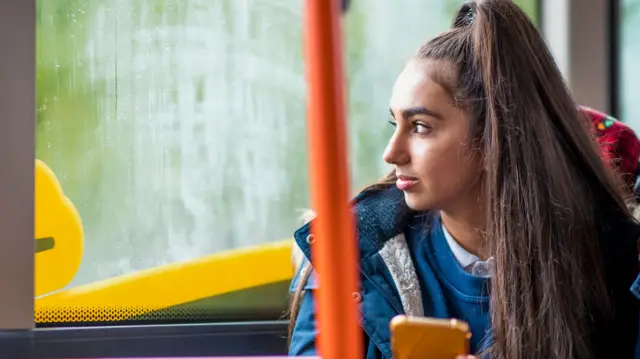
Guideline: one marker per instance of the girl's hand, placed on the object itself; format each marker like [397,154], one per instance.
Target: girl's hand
[466,357]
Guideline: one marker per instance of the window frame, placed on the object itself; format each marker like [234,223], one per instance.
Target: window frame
[17,161]
[615,49]
[187,340]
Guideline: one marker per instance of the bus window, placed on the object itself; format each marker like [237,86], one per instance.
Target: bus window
[174,130]
[629,51]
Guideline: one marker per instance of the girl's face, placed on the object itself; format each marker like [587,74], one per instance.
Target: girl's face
[431,148]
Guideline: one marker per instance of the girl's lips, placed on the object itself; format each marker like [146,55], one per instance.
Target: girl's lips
[405,183]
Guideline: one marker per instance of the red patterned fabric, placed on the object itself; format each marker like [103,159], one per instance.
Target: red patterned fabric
[619,143]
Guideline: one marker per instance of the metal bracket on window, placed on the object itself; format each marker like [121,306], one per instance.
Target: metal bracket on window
[345,6]
[45,244]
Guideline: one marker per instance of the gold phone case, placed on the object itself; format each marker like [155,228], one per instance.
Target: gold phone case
[428,338]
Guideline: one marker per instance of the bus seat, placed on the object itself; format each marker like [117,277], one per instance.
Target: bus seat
[619,143]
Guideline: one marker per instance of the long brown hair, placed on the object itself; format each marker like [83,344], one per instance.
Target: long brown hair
[547,189]
[546,186]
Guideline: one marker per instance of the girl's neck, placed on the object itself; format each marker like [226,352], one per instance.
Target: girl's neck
[467,228]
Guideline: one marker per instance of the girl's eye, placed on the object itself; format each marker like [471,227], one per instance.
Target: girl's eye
[421,128]
[393,123]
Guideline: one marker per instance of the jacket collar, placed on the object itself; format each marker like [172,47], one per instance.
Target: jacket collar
[380,216]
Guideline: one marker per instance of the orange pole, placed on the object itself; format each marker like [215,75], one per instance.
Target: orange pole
[334,249]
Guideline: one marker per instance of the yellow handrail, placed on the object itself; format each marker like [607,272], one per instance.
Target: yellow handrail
[170,285]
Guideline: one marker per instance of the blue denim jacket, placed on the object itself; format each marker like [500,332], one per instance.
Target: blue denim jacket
[390,285]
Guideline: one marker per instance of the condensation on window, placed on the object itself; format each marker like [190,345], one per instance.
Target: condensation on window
[177,127]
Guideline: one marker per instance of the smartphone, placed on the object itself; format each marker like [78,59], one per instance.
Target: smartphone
[432,338]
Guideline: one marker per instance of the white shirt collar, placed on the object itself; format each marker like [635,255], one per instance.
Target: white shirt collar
[471,263]
[462,255]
